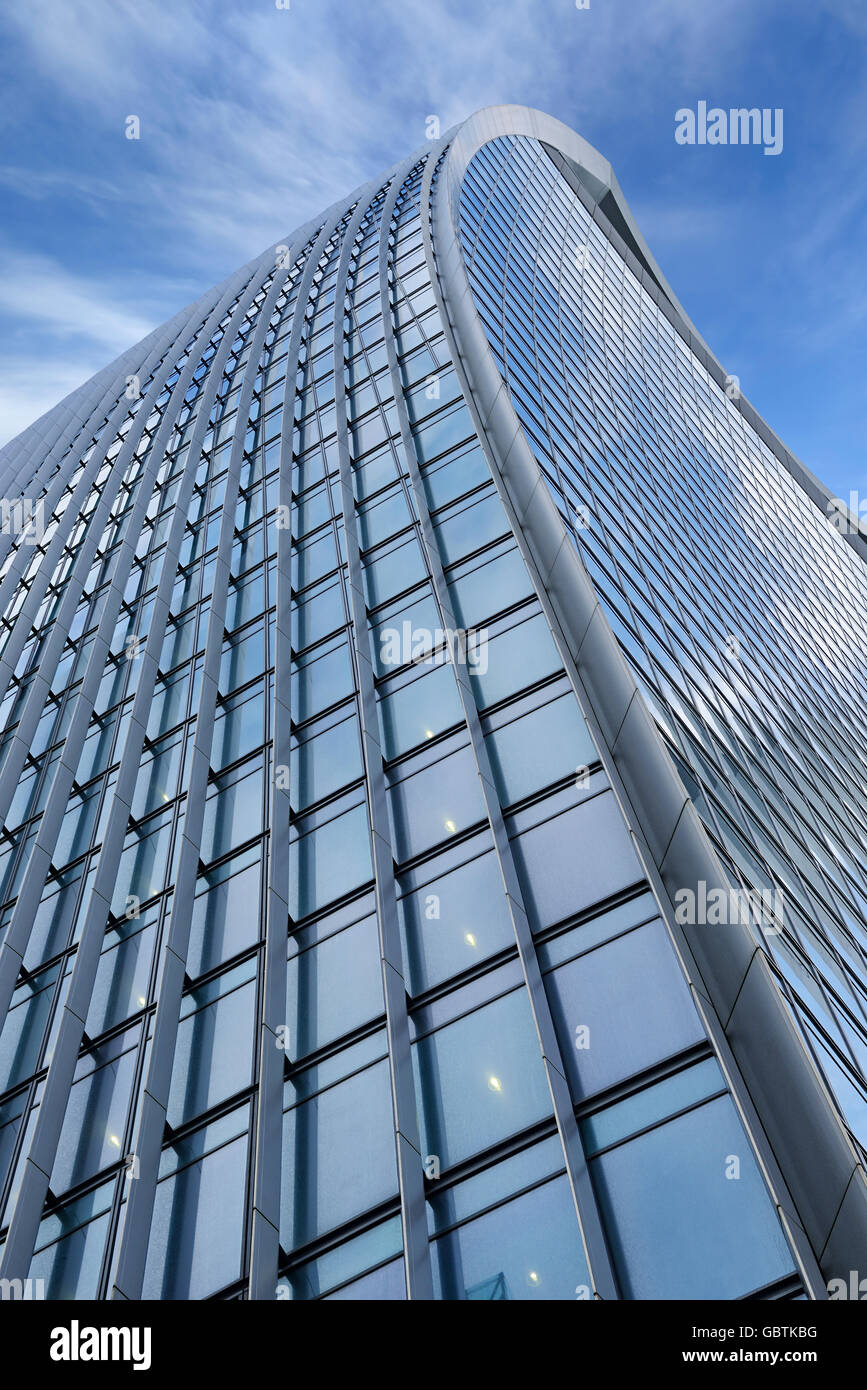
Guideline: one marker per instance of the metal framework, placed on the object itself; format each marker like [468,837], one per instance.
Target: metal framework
[103,465]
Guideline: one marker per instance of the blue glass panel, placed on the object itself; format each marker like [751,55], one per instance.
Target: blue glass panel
[480,1079]
[529,1249]
[621,1008]
[338,1156]
[192,1255]
[540,748]
[678,1226]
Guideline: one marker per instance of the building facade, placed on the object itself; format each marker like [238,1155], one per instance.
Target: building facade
[433,861]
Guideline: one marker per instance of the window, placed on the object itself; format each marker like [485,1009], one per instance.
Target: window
[575,860]
[233,811]
[419,709]
[191,1255]
[338,1156]
[333,987]
[480,1080]
[678,1225]
[214,1050]
[225,917]
[527,1249]
[542,747]
[435,803]
[452,922]
[328,861]
[621,1008]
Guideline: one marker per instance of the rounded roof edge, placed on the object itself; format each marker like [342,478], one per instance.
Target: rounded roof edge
[582,165]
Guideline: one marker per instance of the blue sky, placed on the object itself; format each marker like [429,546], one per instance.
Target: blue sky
[254,118]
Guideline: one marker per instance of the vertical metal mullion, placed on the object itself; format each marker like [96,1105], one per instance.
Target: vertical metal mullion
[23,555]
[416,1248]
[24,1225]
[589,1221]
[136,1222]
[17,935]
[267,1159]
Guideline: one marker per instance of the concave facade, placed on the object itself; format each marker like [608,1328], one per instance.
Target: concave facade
[399,652]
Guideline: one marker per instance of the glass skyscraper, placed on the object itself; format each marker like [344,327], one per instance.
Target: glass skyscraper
[432,781]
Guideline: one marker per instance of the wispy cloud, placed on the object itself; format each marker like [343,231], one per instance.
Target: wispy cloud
[290,108]
[37,291]
[30,385]
[60,328]
[253,119]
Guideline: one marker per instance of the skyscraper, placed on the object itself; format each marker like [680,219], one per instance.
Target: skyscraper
[434,812]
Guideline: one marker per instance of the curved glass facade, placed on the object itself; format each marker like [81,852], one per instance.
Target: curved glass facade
[739,607]
[320,907]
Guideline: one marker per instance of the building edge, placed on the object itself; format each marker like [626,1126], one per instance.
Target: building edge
[809,1161]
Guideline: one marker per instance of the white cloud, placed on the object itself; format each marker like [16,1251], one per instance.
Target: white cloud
[254,118]
[61,328]
[29,386]
[37,290]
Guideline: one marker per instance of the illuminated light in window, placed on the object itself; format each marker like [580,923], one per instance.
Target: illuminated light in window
[113,1139]
[470,939]
[533,1277]
[451,827]
[494,1084]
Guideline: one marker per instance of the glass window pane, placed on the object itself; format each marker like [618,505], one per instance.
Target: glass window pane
[338,1156]
[490,588]
[122,977]
[225,916]
[319,680]
[480,1079]
[529,1248]
[453,922]
[347,1260]
[678,1226]
[233,812]
[470,529]
[333,988]
[71,1265]
[95,1119]
[437,802]
[621,1008]
[324,764]
[214,1051]
[540,748]
[191,1254]
[460,475]
[516,659]
[328,862]
[575,860]
[417,711]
